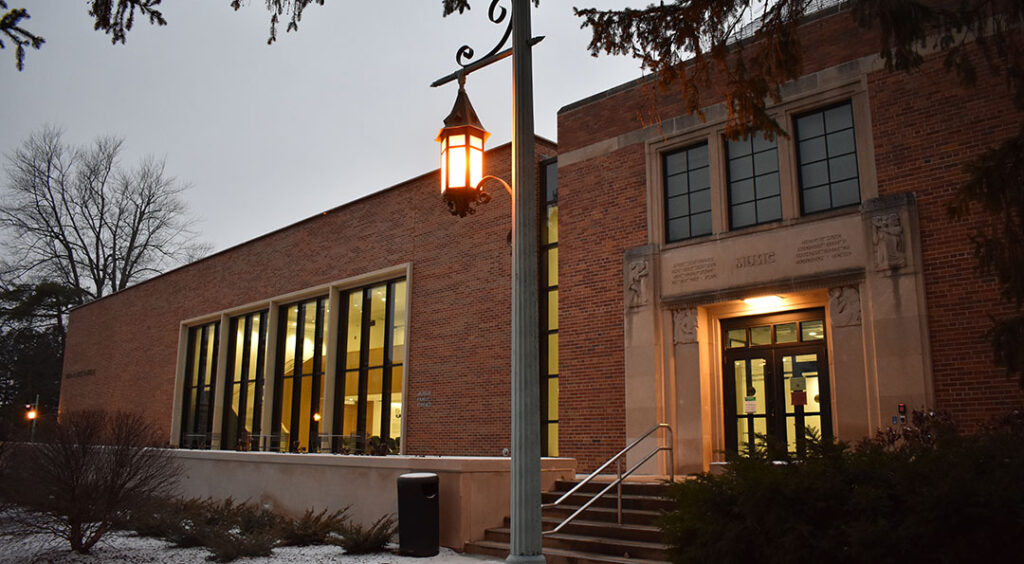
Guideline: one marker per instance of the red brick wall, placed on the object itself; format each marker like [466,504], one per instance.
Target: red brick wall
[459,309]
[925,129]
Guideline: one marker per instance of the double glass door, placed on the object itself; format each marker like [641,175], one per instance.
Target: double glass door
[775,380]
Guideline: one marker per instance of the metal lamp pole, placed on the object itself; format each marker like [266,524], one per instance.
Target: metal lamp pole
[526,539]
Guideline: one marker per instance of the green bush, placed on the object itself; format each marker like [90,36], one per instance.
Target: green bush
[313,528]
[922,493]
[358,540]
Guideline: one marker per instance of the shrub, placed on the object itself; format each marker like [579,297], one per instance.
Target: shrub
[313,528]
[96,468]
[357,540]
[916,494]
[240,530]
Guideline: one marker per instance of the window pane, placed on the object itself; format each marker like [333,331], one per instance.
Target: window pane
[845,193]
[552,310]
[678,229]
[289,341]
[678,206]
[761,335]
[553,266]
[396,403]
[700,201]
[550,234]
[814,174]
[378,311]
[398,332]
[786,333]
[744,215]
[812,150]
[812,331]
[675,163]
[552,399]
[761,142]
[552,354]
[769,209]
[741,191]
[354,329]
[738,148]
[841,142]
[839,117]
[700,179]
[676,185]
[741,168]
[810,125]
[736,338]
[700,224]
[552,439]
[767,185]
[765,162]
[842,168]
[816,199]
[698,156]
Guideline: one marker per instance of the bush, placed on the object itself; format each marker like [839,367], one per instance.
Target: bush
[96,469]
[923,493]
[357,540]
[313,528]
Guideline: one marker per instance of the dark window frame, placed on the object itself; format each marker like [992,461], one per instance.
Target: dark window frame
[316,375]
[195,432]
[828,158]
[667,199]
[754,180]
[227,438]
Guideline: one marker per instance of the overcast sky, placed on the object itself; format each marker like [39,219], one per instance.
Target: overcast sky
[269,135]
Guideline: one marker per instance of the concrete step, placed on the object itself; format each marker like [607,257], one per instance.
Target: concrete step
[557,555]
[620,548]
[606,514]
[629,501]
[604,529]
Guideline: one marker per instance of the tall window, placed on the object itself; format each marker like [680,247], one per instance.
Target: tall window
[302,354]
[549,314]
[371,352]
[828,159]
[244,394]
[687,193]
[197,396]
[753,181]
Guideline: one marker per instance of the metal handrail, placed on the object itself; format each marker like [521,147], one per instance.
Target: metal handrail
[620,476]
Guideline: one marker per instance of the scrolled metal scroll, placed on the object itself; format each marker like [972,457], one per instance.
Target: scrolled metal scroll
[496,13]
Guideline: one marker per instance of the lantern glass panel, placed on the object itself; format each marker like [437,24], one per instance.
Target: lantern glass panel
[457,166]
[476,142]
[444,168]
[457,140]
[476,165]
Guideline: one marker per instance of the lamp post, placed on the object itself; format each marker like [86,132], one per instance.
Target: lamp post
[525,545]
[32,413]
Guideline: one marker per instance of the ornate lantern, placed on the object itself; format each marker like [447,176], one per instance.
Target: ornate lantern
[462,156]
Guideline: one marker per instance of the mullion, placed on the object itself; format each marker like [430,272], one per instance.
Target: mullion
[300,325]
[318,336]
[341,372]
[385,388]
[364,362]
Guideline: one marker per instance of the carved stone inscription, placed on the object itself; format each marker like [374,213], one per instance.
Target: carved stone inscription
[821,249]
[760,259]
[697,270]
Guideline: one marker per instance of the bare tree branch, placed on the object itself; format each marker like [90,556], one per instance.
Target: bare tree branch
[78,217]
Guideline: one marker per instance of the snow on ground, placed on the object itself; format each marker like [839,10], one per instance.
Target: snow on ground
[126,548]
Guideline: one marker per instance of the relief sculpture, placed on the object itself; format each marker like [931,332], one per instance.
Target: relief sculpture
[844,306]
[887,238]
[637,287]
[684,325]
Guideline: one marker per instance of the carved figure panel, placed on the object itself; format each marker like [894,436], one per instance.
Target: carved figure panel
[636,289]
[844,306]
[684,325]
[887,238]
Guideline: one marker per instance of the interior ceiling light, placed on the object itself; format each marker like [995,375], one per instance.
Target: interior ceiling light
[765,301]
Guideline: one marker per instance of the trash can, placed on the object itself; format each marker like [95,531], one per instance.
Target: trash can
[418,521]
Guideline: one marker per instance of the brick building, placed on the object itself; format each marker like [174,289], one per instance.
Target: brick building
[728,288]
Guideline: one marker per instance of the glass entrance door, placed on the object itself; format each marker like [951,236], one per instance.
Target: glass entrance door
[775,380]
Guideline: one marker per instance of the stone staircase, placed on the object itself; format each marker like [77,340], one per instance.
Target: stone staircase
[595,536]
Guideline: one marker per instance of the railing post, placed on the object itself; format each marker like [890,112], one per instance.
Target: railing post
[618,490]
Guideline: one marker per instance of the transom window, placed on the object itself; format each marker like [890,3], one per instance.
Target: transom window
[687,193]
[754,195]
[827,152]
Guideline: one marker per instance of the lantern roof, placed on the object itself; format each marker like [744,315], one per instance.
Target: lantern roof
[463,114]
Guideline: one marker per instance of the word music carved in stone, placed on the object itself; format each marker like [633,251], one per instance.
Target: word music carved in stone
[637,286]
[887,238]
[844,306]
[684,325]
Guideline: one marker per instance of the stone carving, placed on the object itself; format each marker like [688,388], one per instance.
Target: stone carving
[844,306]
[887,238]
[637,287]
[684,325]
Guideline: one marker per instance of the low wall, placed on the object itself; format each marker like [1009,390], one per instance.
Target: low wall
[474,491]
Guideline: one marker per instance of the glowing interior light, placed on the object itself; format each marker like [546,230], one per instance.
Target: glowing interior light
[765,301]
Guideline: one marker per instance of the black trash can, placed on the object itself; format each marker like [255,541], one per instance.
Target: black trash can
[418,520]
